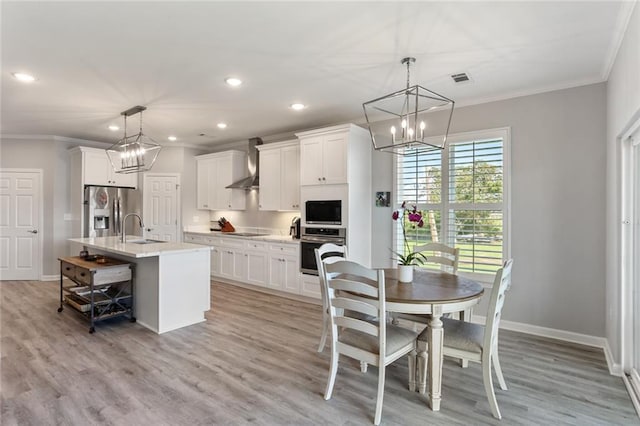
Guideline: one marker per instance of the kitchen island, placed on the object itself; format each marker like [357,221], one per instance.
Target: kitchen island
[172,284]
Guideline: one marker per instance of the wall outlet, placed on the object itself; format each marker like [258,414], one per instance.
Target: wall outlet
[196,219]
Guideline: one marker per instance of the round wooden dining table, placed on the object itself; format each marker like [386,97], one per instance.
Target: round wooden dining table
[433,293]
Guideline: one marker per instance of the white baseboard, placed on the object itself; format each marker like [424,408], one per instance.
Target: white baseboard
[50,277]
[567,336]
[614,369]
[633,393]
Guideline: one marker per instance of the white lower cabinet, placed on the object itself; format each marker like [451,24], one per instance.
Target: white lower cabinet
[310,286]
[284,268]
[256,262]
[215,261]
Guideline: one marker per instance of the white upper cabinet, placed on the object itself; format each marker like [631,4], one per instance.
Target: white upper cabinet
[280,176]
[323,158]
[214,173]
[290,193]
[269,180]
[203,168]
[97,170]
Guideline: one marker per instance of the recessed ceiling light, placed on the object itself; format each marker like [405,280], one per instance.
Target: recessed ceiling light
[172,138]
[222,125]
[297,106]
[233,81]
[27,78]
[114,128]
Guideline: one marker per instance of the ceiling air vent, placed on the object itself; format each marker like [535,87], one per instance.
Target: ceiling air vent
[460,78]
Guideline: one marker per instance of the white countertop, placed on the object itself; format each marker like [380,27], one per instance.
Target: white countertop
[131,249]
[270,237]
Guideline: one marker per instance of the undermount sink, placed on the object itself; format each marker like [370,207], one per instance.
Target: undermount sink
[145,241]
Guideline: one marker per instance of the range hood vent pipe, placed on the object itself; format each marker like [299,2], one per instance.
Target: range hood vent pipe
[253,165]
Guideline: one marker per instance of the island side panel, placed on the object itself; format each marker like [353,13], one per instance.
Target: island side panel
[184,289]
[146,292]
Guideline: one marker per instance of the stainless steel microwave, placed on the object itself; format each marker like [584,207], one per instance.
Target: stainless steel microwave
[323,212]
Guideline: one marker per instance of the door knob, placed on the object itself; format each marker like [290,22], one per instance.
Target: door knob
[148,229]
[35,231]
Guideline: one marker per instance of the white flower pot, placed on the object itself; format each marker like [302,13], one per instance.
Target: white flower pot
[405,273]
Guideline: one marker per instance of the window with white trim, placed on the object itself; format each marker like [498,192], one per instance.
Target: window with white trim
[462,193]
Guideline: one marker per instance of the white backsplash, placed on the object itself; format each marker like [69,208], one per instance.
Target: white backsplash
[253,220]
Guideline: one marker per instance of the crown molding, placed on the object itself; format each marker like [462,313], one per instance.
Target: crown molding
[622,23]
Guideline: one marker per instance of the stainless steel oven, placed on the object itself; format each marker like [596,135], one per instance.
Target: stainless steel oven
[311,239]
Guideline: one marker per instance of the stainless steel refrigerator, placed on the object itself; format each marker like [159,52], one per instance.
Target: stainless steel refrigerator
[106,206]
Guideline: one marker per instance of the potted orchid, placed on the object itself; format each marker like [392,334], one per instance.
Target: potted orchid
[407,261]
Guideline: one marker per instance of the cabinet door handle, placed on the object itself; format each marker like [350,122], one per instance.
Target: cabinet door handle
[34,231]
[319,178]
[324,178]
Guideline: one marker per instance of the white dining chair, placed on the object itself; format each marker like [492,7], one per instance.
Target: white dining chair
[376,343]
[327,253]
[447,258]
[441,254]
[474,342]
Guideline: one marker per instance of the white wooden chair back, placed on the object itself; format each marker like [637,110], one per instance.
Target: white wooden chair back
[327,253]
[501,284]
[441,254]
[352,277]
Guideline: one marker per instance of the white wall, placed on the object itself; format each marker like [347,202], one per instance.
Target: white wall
[623,108]
[557,204]
[50,155]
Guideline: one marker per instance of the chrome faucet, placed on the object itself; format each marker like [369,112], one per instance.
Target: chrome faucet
[124,220]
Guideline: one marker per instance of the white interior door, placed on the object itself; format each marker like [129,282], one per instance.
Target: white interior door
[20,224]
[161,201]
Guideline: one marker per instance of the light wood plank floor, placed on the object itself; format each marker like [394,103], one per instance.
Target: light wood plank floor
[254,361]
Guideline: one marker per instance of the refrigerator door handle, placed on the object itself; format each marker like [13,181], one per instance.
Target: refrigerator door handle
[116,215]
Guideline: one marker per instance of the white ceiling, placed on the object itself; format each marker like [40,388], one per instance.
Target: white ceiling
[96,59]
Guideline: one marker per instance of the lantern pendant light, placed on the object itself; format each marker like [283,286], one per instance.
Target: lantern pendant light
[407,113]
[136,153]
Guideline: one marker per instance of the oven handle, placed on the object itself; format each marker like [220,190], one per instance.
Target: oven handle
[337,240]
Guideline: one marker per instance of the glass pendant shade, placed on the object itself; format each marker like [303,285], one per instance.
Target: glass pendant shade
[135,153]
[406,115]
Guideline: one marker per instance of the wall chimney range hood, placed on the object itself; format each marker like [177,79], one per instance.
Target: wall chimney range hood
[253,165]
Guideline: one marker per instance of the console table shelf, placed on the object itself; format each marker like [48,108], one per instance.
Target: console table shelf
[101,288]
